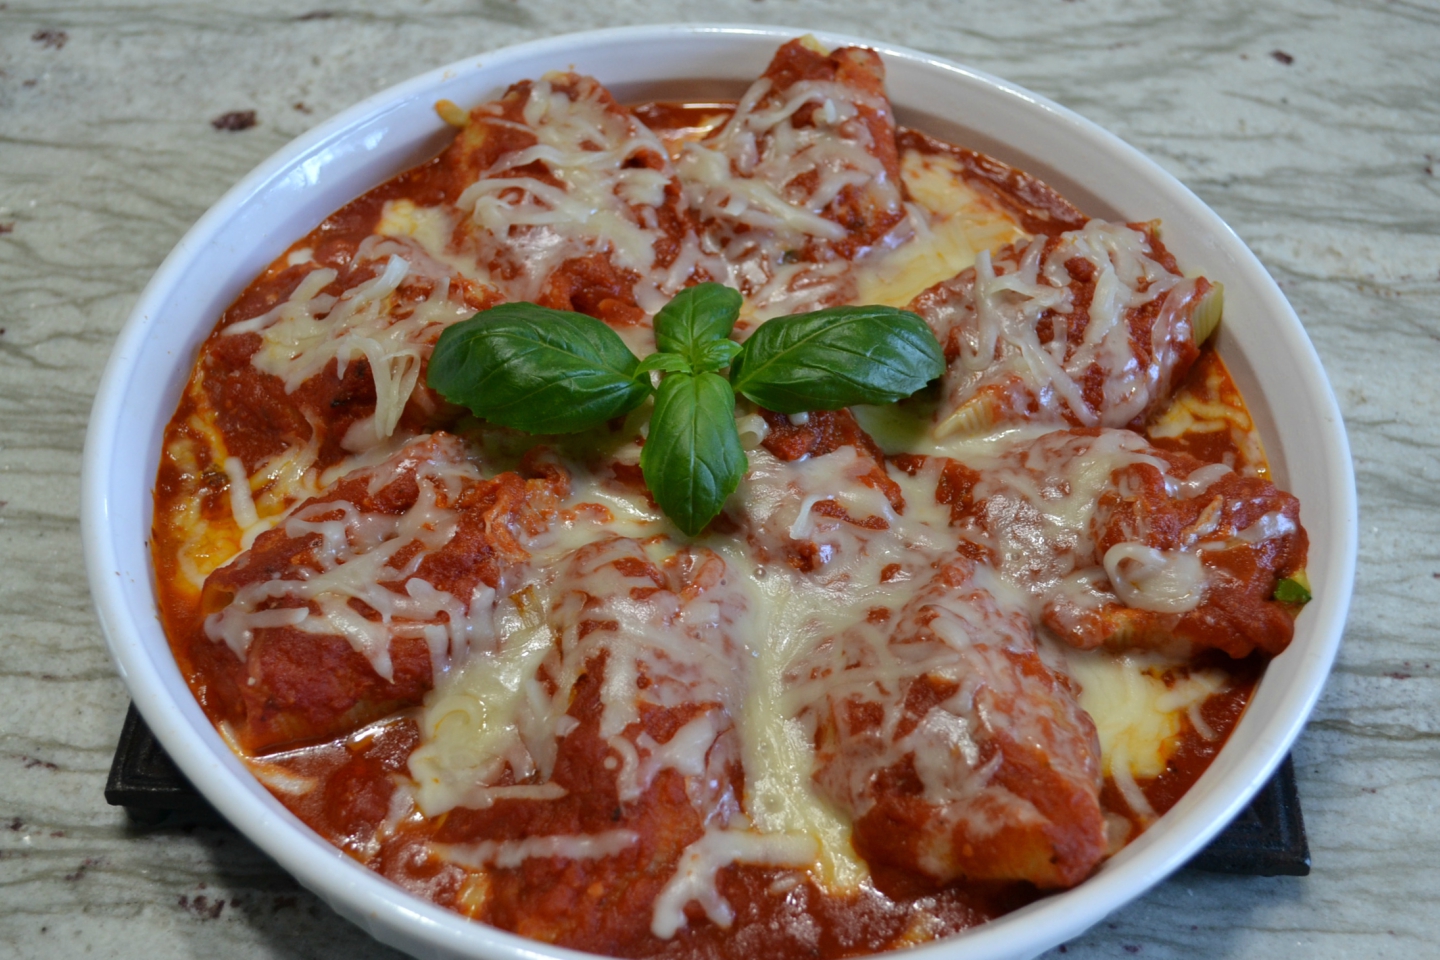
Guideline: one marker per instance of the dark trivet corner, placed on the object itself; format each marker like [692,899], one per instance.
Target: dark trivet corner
[145,781]
[1267,839]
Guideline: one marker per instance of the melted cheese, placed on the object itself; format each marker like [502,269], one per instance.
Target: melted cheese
[1046,492]
[242,505]
[202,546]
[799,614]
[354,560]
[997,325]
[508,854]
[694,877]
[604,202]
[303,335]
[758,648]
[749,173]
[950,225]
[479,720]
[256,502]
[1137,714]
[1200,410]
[595,201]
[431,229]
[1165,581]
[480,727]
[762,187]
[491,728]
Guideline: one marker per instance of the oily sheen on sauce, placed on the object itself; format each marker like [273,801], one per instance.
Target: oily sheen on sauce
[483,665]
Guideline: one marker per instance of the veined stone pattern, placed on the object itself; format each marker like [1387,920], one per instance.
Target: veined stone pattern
[1313,128]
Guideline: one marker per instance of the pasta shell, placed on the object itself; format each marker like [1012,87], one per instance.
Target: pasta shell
[1207,313]
[971,417]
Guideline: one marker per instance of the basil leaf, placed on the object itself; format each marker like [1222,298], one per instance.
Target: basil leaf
[716,355]
[692,459]
[665,362]
[696,316]
[1291,591]
[536,369]
[837,357]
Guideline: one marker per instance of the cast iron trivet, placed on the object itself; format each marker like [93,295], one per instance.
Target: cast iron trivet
[1267,839]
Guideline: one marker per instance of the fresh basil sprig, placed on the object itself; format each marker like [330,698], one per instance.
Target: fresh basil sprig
[550,371]
[692,459]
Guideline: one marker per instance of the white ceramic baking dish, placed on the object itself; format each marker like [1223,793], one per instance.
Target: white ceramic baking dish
[1261,340]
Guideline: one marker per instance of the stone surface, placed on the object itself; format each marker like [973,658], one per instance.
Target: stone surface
[1313,128]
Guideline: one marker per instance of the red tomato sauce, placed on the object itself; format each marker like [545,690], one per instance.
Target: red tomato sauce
[343,787]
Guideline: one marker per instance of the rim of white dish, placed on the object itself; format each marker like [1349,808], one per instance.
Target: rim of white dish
[411,923]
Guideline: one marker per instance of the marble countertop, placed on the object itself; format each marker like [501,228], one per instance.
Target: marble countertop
[1313,128]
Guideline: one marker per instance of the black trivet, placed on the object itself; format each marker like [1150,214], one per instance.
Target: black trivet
[1267,839]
